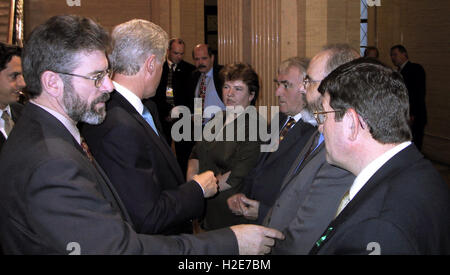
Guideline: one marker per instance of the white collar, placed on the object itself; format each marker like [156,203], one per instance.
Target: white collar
[368,171]
[305,116]
[70,125]
[403,66]
[130,97]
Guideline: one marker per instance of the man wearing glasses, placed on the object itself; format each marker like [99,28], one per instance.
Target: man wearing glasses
[398,203]
[55,198]
[312,189]
[297,124]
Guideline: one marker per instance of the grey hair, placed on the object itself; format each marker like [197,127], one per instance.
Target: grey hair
[339,54]
[133,42]
[294,62]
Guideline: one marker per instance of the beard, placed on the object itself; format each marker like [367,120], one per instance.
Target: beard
[79,110]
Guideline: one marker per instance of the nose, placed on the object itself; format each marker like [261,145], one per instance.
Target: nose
[107,85]
[279,90]
[20,82]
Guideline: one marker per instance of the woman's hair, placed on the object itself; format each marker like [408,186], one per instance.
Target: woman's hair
[244,72]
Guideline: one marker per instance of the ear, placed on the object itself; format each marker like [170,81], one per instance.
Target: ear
[252,96]
[150,64]
[52,83]
[352,124]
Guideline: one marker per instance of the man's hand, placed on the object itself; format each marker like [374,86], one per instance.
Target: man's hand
[255,239]
[207,182]
[249,208]
[233,204]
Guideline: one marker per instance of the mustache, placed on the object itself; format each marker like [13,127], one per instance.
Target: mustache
[201,66]
[103,98]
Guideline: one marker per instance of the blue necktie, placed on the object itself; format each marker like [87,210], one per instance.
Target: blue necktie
[148,117]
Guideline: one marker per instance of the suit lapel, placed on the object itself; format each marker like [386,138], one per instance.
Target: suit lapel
[160,143]
[400,161]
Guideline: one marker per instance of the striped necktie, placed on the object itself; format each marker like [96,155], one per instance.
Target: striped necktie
[287,127]
[9,123]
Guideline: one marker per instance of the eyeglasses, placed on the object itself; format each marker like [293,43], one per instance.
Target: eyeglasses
[321,116]
[307,81]
[286,84]
[98,78]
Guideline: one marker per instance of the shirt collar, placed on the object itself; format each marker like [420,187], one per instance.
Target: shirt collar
[133,99]
[373,167]
[305,116]
[403,65]
[70,125]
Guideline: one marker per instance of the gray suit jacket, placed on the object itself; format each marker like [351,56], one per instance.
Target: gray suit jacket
[52,196]
[308,201]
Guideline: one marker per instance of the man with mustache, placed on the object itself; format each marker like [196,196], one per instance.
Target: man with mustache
[11,84]
[206,83]
[55,198]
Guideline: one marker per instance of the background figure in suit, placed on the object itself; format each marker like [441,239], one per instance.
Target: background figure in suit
[297,124]
[415,80]
[54,194]
[371,52]
[172,91]
[231,160]
[11,85]
[312,188]
[210,89]
[136,158]
[398,203]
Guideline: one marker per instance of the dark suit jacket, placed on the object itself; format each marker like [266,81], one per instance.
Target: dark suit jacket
[239,157]
[415,80]
[404,208]
[52,196]
[180,78]
[195,77]
[307,201]
[16,111]
[264,182]
[182,96]
[143,170]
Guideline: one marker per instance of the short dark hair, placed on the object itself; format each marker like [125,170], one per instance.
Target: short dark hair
[244,72]
[401,49]
[371,48]
[6,54]
[178,40]
[53,46]
[376,92]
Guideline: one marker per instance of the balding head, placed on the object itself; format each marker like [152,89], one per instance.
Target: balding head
[322,64]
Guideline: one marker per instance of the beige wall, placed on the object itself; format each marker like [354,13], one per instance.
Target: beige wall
[272,30]
[179,18]
[423,27]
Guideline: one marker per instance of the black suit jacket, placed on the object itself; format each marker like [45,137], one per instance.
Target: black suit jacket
[415,80]
[144,170]
[53,196]
[264,182]
[404,208]
[180,81]
[16,111]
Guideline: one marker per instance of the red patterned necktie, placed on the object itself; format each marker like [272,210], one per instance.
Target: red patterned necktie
[202,90]
[86,150]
